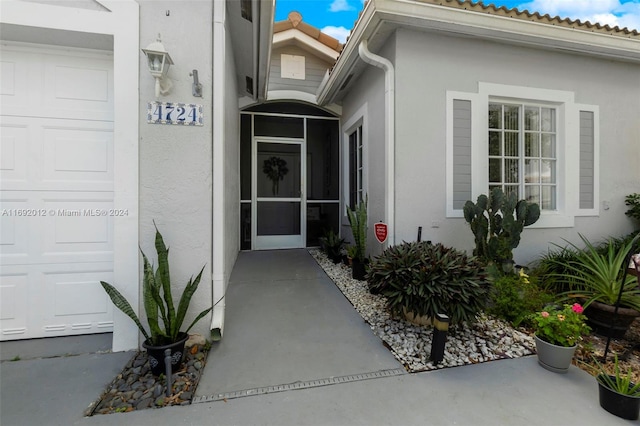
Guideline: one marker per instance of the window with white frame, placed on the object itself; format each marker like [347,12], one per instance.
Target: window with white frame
[538,143]
[522,151]
[356,168]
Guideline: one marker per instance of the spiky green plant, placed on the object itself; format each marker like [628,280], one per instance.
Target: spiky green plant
[358,222]
[595,274]
[158,300]
[618,382]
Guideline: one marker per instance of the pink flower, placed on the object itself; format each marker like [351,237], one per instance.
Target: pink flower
[544,314]
[577,308]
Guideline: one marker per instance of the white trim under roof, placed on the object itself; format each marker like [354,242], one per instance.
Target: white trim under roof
[306,42]
[382,16]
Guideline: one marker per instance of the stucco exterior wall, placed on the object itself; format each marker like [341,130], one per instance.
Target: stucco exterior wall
[176,161]
[428,65]
[367,96]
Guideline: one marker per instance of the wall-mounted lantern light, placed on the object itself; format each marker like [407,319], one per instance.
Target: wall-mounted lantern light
[158,61]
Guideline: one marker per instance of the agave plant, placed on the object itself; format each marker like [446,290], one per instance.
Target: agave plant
[158,301]
[595,274]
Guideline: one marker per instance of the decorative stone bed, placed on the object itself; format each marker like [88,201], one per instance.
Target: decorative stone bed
[486,340]
[135,388]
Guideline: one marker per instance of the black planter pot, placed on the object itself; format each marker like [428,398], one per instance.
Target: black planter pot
[623,406]
[156,354]
[599,316]
[358,269]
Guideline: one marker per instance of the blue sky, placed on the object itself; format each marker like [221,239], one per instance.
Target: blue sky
[336,17]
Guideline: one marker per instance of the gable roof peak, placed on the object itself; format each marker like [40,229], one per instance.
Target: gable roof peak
[294,17]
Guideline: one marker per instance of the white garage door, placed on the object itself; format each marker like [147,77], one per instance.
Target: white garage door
[56,191]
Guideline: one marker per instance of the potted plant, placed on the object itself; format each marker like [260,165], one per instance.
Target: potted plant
[594,276]
[618,394]
[557,332]
[332,244]
[159,307]
[351,253]
[358,223]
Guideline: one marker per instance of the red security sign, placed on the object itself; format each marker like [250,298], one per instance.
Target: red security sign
[381,230]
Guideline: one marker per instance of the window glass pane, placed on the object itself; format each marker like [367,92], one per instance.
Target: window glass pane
[548,172]
[508,189]
[322,160]
[532,194]
[494,143]
[511,171]
[320,218]
[289,127]
[531,171]
[511,143]
[548,145]
[245,157]
[548,198]
[548,119]
[532,118]
[278,218]
[495,116]
[531,145]
[511,117]
[245,226]
[495,170]
[278,173]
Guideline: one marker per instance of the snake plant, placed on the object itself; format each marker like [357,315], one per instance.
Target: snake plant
[158,300]
[358,222]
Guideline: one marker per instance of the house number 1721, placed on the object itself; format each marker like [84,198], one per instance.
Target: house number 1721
[174,113]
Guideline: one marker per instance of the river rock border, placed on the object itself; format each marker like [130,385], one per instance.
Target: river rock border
[486,340]
[135,388]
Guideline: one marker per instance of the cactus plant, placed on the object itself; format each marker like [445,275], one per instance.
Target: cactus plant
[497,230]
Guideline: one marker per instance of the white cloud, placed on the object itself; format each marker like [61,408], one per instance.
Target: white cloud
[611,12]
[339,33]
[340,6]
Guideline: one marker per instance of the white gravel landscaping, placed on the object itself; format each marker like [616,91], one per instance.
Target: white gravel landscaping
[486,340]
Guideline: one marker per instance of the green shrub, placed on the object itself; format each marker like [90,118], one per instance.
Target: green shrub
[633,201]
[554,263]
[557,264]
[428,279]
[515,297]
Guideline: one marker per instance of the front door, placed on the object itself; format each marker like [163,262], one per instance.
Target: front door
[278,208]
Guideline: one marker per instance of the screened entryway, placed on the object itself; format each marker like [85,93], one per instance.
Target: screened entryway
[289,176]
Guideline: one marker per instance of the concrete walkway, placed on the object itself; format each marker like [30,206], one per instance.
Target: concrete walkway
[294,353]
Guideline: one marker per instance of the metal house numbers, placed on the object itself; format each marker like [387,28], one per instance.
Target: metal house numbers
[174,113]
